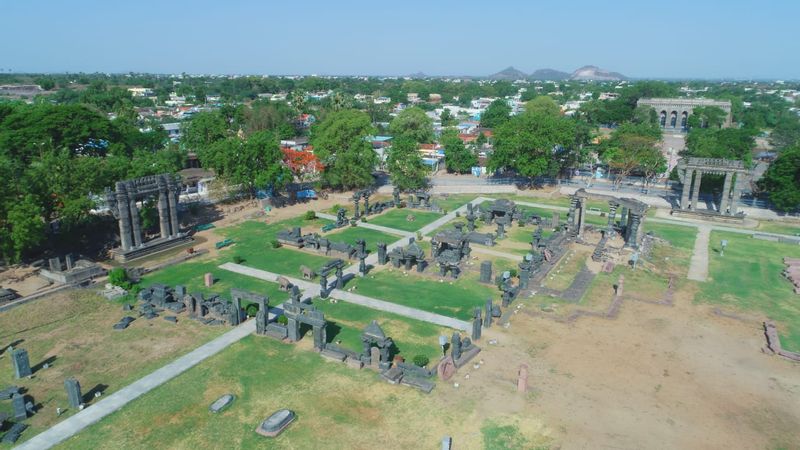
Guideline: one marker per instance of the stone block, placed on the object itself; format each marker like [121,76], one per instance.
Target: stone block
[332,355]
[354,363]
[21,363]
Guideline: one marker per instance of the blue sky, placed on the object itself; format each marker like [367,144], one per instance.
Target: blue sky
[665,39]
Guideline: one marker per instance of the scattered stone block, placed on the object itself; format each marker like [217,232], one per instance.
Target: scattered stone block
[13,434]
[276,423]
[354,363]
[8,392]
[172,319]
[332,355]
[422,384]
[21,363]
[221,403]
[73,388]
[18,404]
[392,375]
[208,280]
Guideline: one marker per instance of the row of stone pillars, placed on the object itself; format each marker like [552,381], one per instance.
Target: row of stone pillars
[692,181]
[125,207]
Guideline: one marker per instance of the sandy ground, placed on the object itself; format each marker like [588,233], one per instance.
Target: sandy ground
[655,377]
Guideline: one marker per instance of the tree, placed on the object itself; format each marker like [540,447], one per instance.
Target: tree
[726,143]
[269,116]
[298,100]
[24,228]
[457,157]
[631,153]
[447,118]
[786,132]
[707,117]
[782,180]
[496,114]
[534,144]
[205,129]
[251,164]
[543,104]
[413,123]
[340,142]
[405,165]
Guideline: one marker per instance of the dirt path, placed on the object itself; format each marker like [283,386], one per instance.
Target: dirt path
[698,268]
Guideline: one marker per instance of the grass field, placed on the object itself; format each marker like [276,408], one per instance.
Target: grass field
[337,408]
[779,227]
[72,331]
[749,277]
[396,218]
[411,337]
[454,299]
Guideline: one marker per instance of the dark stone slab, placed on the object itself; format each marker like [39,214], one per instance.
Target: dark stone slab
[332,355]
[393,375]
[172,319]
[8,392]
[422,384]
[14,433]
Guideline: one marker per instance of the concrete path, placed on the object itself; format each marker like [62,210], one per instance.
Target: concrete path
[429,228]
[370,226]
[698,268]
[313,289]
[93,413]
[488,251]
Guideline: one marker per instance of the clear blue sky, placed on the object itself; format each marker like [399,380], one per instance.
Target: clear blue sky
[641,38]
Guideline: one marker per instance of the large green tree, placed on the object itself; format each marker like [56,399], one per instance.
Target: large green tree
[457,157]
[707,117]
[497,113]
[405,165]
[412,123]
[634,152]
[205,129]
[543,104]
[782,180]
[534,144]
[251,164]
[340,142]
[726,143]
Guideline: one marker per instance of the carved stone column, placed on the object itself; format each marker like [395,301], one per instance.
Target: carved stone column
[124,217]
[696,189]
[135,222]
[726,192]
[686,188]
[172,196]
[163,214]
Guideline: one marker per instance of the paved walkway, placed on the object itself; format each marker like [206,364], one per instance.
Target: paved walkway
[313,289]
[370,226]
[93,413]
[698,268]
[488,251]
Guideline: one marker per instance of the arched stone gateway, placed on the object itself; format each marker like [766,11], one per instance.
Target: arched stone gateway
[674,112]
[691,172]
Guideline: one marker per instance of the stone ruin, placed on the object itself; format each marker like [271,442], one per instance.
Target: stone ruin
[422,200]
[123,203]
[72,271]
[630,225]
[503,209]
[449,248]
[691,171]
[313,241]
[508,289]
[408,256]
[792,272]
[215,310]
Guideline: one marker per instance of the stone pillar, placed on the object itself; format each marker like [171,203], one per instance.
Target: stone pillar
[737,192]
[136,223]
[124,217]
[726,191]
[612,214]
[366,205]
[319,337]
[487,318]
[355,203]
[21,363]
[172,197]
[581,216]
[293,326]
[696,189]
[163,214]
[686,188]
[73,388]
[476,324]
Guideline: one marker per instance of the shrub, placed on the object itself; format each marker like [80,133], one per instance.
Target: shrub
[335,208]
[119,277]
[513,272]
[420,360]
[274,243]
[282,320]
[310,215]
[238,259]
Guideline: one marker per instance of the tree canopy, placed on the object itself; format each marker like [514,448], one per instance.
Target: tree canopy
[457,157]
[782,180]
[412,123]
[340,142]
[543,104]
[534,144]
[405,165]
[497,113]
[726,143]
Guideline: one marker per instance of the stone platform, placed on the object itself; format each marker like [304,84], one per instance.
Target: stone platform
[150,248]
[708,215]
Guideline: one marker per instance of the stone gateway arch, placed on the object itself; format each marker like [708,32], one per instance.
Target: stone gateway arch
[673,113]
[123,202]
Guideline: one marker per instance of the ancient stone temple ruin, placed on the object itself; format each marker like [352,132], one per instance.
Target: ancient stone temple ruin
[408,255]
[448,249]
[724,204]
[123,204]
[503,210]
[632,215]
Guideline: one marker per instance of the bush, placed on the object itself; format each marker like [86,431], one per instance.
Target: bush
[282,320]
[238,259]
[513,272]
[274,243]
[335,208]
[119,277]
[310,215]
[421,360]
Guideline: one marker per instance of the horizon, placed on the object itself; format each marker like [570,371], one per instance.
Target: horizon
[688,42]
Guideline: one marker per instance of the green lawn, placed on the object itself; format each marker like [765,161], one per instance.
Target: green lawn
[458,299]
[679,236]
[779,227]
[396,218]
[346,321]
[344,408]
[372,237]
[748,276]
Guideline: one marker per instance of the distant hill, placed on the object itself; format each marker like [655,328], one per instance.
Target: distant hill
[418,75]
[509,74]
[586,73]
[548,74]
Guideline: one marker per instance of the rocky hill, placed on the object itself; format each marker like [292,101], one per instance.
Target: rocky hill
[548,74]
[587,73]
[509,74]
